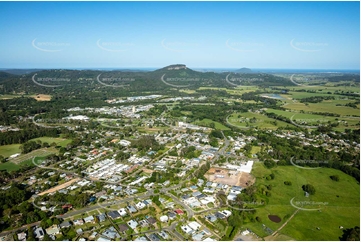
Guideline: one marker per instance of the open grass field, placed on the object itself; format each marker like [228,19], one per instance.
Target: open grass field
[59,141]
[206,122]
[10,166]
[315,119]
[8,150]
[335,203]
[262,121]
[328,106]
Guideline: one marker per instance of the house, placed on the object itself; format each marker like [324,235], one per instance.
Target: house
[154,237]
[142,238]
[53,230]
[219,215]
[171,215]
[114,214]
[89,219]
[198,237]
[22,236]
[151,220]
[132,209]
[101,217]
[187,229]
[65,224]
[143,223]
[78,222]
[194,225]
[111,233]
[93,235]
[226,213]
[79,231]
[122,212]
[211,218]
[39,232]
[132,224]
[164,235]
[140,205]
[179,211]
[123,228]
[163,218]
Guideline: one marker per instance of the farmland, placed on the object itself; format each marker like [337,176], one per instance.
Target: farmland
[334,203]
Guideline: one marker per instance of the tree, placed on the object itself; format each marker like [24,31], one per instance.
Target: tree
[352,234]
[335,177]
[309,189]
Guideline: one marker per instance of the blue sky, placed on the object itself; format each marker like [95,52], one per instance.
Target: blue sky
[294,35]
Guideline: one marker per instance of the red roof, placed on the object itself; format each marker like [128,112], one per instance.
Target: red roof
[178,211]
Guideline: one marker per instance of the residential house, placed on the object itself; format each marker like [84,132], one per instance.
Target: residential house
[113,214]
[78,222]
[194,225]
[53,230]
[22,236]
[89,219]
[65,224]
[154,237]
[122,212]
[163,218]
[132,224]
[39,233]
[132,209]
[123,228]
[151,220]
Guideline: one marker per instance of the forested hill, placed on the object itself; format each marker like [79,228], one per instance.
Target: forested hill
[164,79]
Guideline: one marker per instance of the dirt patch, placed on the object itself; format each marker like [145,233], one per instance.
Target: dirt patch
[147,170]
[246,180]
[42,97]
[229,177]
[274,218]
[62,186]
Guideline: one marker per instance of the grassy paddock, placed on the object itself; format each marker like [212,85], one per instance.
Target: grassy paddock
[338,202]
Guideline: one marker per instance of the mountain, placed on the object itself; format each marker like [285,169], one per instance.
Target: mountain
[243,70]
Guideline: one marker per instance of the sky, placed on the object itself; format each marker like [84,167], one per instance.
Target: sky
[282,35]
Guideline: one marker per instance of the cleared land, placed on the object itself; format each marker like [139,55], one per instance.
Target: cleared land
[59,187]
[244,120]
[8,150]
[338,202]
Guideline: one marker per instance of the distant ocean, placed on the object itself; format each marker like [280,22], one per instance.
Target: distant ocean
[218,70]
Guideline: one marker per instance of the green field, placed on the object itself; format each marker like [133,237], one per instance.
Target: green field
[315,119]
[205,122]
[8,150]
[261,121]
[335,203]
[325,106]
[59,141]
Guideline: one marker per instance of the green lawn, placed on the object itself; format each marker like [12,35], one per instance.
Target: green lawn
[339,202]
[59,141]
[262,121]
[8,150]
[206,122]
[328,106]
